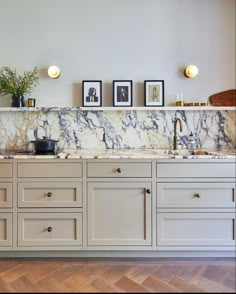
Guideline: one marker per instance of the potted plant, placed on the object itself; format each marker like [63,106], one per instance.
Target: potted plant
[16,85]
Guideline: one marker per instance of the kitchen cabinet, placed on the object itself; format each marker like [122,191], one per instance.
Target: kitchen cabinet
[49,194]
[119,213]
[5,229]
[5,195]
[49,170]
[196,229]
[163,206]
[6,204]
[195,206]
[49,229]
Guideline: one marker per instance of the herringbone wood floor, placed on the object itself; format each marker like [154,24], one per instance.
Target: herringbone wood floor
[142,275]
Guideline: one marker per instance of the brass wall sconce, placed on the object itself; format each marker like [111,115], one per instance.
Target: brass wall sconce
[191,71]
[54,72]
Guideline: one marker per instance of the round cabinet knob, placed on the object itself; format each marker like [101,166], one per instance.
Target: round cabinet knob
[49,194]
[148,191]
[118,170]
[196,195]
[49,229]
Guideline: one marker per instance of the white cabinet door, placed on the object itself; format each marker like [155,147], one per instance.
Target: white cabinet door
[195,195]
[119,213]
[49,194]
[5,195]
[5,229]
[49,229]
[195,229]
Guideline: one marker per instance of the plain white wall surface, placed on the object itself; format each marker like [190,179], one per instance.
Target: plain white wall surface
[126,39]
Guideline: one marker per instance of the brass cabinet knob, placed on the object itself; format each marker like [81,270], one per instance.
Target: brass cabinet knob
[49,194]
[49,229]
[196,195]
[118,170]
[148,191]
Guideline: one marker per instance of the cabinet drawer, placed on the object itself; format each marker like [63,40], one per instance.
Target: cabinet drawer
[5,195]
[199,170]
[49,229]
[119,170]
[179,195]
[6,170]
[50,170]
[5,229]
[57,194]
[195,229]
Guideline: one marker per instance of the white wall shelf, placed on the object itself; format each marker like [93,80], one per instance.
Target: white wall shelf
[140,108]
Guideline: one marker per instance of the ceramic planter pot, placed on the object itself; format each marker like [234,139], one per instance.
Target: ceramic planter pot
[17,101]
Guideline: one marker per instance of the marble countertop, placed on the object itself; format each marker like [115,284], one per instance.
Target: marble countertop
[122,154]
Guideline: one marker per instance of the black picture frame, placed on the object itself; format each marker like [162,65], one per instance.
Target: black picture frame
[91,93]
[122,93]
[154,93]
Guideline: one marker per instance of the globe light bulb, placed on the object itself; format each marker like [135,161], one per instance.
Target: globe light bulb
[54,72]
[191,71]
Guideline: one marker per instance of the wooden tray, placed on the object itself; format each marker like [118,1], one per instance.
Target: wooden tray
[226,98]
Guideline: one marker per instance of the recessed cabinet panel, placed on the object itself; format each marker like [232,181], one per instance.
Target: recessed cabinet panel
[5,195]
[6,170]
[119,214]
[194,195]
[199,170]
[119,170]
[50,170]
[49,229]
[48,194]
[195,229]
[5,229]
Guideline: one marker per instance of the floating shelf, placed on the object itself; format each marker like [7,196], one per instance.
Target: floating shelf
[140,108]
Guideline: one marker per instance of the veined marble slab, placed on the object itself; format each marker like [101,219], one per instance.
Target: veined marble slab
[93,129]
[124,154]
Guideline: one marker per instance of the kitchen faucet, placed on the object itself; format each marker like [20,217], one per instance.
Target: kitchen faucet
[175,136]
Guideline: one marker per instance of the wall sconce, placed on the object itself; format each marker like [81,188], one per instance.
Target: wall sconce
[54,72]
[191,71]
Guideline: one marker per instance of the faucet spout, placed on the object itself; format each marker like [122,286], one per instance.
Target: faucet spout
[175,132]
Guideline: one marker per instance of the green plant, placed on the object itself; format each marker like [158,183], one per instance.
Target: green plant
[16,85]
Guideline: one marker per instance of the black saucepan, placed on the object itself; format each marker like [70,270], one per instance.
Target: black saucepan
[44,145]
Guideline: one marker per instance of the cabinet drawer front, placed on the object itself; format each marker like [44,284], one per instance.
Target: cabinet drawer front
[195,229]
[50,170]
[6,170]
[199,170]
[179,195]
[5,195]
[67,194]
[49,229]
[5,229]
[119,170]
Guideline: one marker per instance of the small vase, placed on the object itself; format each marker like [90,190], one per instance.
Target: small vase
[17,101]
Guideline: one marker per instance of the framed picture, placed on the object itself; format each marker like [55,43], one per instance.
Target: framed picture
[122,93]
[154,93]
[92,93]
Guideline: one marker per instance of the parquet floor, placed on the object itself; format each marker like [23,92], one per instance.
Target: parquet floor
[142,275]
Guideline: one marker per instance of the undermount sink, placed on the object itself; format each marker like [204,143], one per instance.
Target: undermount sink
[187,152]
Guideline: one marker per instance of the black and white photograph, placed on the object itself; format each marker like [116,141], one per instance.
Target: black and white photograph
[154,93]
[92,93]
[122,93]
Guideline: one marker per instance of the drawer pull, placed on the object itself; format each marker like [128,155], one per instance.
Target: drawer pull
[196,195]
[148,191]
[118,170]
[49,229]
[49,194]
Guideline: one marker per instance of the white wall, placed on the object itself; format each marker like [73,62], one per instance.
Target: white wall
[125,39]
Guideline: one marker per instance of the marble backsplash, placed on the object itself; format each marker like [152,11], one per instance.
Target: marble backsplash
[86,129]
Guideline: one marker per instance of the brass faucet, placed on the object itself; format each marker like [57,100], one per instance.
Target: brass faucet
[175,136]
